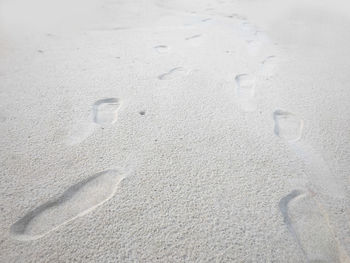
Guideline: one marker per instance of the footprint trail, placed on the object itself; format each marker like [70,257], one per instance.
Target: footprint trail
[76,201]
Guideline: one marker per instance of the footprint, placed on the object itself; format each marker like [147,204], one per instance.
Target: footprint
[173,73]
[162,49]
[287,125]
[283,205]
[105,111]
[268,67]
[76,201]
[309,226]
[245,92]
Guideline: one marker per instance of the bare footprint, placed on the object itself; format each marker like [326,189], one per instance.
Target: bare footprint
[162,49]
[173,73]
[287,125]
[76,201]
[105,111]
[245,92]
[309,226]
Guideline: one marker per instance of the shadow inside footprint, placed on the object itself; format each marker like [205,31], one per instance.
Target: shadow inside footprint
[193,37]
[76,201]
[245,92]
[162,49]
[194,40]
[173,73]
[309,225]
[287,125]
[105,111]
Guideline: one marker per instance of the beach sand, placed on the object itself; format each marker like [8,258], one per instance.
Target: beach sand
[174,131]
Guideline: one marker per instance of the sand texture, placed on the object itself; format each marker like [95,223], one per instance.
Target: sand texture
[175,131]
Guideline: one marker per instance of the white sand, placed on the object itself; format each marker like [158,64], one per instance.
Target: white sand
[203,165]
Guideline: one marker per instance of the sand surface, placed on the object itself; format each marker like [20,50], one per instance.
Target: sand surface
[174,131]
